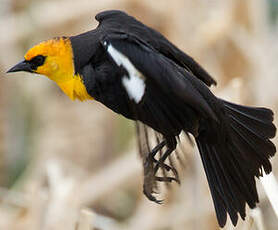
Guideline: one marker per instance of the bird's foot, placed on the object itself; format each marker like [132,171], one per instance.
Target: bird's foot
[161,165]
[167,179]
[151,197]
[168,168]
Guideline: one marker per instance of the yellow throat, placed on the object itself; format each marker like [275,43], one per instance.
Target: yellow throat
[59,67]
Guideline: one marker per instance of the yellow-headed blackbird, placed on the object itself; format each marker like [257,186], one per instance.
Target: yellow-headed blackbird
[136,72]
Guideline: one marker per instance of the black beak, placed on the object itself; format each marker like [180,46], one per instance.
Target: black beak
[21,66]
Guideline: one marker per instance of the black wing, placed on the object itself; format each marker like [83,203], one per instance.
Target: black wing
[116,21]
[171,80]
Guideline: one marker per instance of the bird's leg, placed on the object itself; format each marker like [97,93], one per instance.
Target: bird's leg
[171,143]
[150,170]
[156,149]
[160,163]
[154,152]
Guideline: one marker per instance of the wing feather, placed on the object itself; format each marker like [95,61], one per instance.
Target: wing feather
[115,20]
[173,80]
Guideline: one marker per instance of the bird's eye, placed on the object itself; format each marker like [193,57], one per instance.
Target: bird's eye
[38,60]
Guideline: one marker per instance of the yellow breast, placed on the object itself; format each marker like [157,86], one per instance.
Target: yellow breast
[75,89]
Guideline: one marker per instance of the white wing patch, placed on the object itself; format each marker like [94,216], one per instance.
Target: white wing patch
[135,87]
[134,84]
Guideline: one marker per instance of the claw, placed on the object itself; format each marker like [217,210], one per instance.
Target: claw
[161,165]
[159,201]
[167,179]
[165,166]
[168,168]
[152,198]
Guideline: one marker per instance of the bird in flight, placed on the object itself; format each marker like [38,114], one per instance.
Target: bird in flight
[136,72]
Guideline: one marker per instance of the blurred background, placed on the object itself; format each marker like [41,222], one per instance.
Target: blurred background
[64,162]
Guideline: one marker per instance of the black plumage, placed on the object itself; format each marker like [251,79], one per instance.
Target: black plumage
[233,140]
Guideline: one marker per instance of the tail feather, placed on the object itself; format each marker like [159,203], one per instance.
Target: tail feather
[241,176]
[218,198]
[231,165]
[259,120]
[252,146]
[233,201]
[259,113]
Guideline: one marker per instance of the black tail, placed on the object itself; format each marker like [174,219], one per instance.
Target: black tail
[231,165]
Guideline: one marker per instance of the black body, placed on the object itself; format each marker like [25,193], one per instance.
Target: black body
[233,140]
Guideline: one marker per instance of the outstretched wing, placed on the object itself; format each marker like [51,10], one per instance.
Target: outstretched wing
[116,20]
[144,66]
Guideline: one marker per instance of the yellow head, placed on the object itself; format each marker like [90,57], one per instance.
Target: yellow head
[54,59]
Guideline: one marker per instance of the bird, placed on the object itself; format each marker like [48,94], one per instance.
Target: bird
[138,73]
